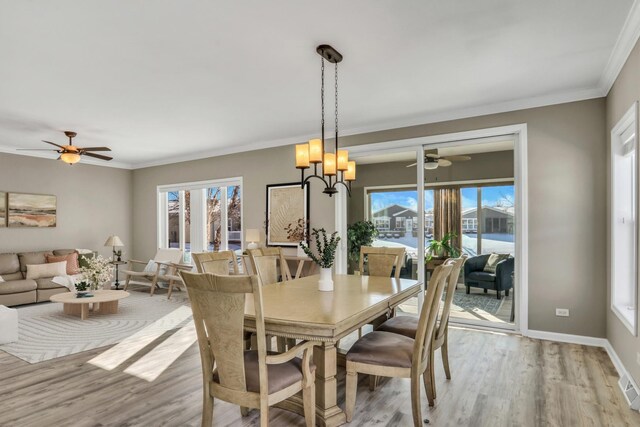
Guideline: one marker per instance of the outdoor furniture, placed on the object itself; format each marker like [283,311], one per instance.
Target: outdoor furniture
[393,355]
[9,322]
[408,325]
[248,378]
[475,276]
[153,272]
[219,259]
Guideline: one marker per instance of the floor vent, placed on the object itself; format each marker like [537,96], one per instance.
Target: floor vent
[630,392]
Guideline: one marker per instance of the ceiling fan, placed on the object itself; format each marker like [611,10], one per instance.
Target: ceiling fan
[433,160]
[70,153]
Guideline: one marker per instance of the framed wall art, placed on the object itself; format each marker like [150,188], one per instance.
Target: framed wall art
[287,214]
[31,210]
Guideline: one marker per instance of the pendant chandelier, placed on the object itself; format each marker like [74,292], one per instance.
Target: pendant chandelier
[335,167]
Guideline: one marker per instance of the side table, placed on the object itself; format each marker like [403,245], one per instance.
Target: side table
[117,264]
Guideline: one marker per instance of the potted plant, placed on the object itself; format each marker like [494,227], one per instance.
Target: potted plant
[361,233]
[442,247]
[97,272]
[81,288]
[324,256]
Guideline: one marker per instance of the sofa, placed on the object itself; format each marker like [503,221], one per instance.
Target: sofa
[475,276]
[16,289]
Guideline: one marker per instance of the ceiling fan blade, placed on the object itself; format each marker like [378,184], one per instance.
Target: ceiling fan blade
[94,148]
[53,143]
[433,156]
[36,149]
[97,156]
[412,164]
[457,158]
[444,162]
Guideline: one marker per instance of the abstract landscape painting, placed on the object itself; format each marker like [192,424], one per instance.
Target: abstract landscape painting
[32,210]
[3,209]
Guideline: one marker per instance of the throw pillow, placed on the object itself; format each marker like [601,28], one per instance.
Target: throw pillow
[493,261]
[72,262]
[1,279]
[43,271]
[152,267]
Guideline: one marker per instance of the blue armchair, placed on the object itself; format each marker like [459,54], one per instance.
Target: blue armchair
[502,280]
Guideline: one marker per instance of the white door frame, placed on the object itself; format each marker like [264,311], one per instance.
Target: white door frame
[519,133]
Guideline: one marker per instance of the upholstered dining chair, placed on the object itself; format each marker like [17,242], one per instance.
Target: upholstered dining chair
[248,378]
[408,325]
[387,354]
[381,261]
[155,270]
[284,272]
[216,261]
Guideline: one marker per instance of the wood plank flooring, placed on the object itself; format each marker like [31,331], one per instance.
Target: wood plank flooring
[498,380]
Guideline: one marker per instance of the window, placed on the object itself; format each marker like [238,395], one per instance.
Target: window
[191,215]
[623,220]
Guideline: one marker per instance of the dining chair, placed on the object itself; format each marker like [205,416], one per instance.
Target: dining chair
[248,378]
[216,257]
[381,261]
[154,271]
[386,354]
[408,325]
[283,266]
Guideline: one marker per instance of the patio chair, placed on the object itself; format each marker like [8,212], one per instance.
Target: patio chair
[155,270]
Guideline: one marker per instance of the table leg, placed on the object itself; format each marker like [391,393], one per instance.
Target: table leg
[81,310]
[327,410]
[299,270]
[117,282]
[109,307]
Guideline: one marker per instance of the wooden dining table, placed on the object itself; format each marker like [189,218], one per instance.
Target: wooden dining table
[297,309]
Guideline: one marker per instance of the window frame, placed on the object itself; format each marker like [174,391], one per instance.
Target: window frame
[628,121]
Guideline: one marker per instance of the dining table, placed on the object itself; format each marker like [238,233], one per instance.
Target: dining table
[296,309]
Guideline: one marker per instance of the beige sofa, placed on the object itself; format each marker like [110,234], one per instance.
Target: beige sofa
[16,290]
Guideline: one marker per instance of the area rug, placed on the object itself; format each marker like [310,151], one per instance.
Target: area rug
[471,302]
[45,332]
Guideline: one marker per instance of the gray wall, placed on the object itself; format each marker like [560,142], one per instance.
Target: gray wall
[93,203]
[257,168]
[567,188]
[481,166]
[625,91]
[567,183]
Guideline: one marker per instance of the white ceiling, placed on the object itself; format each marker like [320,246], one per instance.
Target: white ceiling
[161,80]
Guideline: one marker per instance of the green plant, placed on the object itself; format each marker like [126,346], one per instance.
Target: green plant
[442,247]
[325,247]
[82,286]
[361,233]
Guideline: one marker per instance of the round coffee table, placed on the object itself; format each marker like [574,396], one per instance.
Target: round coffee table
[103,302]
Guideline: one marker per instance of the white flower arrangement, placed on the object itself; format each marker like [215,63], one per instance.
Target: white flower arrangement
[97,271]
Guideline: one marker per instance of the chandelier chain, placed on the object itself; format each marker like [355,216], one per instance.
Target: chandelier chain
[336,106]
[322,95]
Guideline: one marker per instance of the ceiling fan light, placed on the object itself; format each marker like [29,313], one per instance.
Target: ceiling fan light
[70,158]
[431,165]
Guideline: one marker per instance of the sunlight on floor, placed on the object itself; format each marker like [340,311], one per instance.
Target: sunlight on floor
[119,353]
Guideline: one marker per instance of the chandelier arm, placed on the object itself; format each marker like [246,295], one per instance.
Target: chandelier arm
[347,186]
[306,180]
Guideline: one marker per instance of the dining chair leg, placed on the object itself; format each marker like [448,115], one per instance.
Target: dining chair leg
[416,410]
[444,352]
[244,411]
[351,389]
[309,400]
[264,414]
[373,382]
[432,376]
[428,384]
[207,408]
[281,344]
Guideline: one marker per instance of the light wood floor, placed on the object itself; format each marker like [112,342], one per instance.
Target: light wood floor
[498,380]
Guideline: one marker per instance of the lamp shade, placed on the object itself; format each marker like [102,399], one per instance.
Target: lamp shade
[114,241]
[70,158]
[252,235]
[342,160]
[302,156]
[315,151]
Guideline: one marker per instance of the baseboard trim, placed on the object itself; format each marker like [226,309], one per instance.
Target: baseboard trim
[568,338]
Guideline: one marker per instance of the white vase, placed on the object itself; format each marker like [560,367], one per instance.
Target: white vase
[325,284]
[301,253]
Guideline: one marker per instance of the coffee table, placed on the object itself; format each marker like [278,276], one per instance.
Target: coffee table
[103,302]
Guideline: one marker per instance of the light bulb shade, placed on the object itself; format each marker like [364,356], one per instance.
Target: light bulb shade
[252,235]
[350,173]
[114,241]
[329,164]
[315,151]
[302,156]
[431,165]
[70,158]
[343,160]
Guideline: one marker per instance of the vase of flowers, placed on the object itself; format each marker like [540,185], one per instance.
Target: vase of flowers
[97,272]
[324,255]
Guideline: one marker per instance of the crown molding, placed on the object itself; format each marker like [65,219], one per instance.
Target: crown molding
[625,43]
[85,161]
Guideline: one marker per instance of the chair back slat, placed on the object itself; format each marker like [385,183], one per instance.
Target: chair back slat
[218,304]
[284,272]
[381,261]
[449,293]
[228,256]
[216,266]
[429,314]
[266,268]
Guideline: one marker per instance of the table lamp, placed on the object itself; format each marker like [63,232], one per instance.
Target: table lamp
[114,242]
[253,237]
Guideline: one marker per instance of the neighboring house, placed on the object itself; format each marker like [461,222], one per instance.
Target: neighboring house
[494,220]
[396,218]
